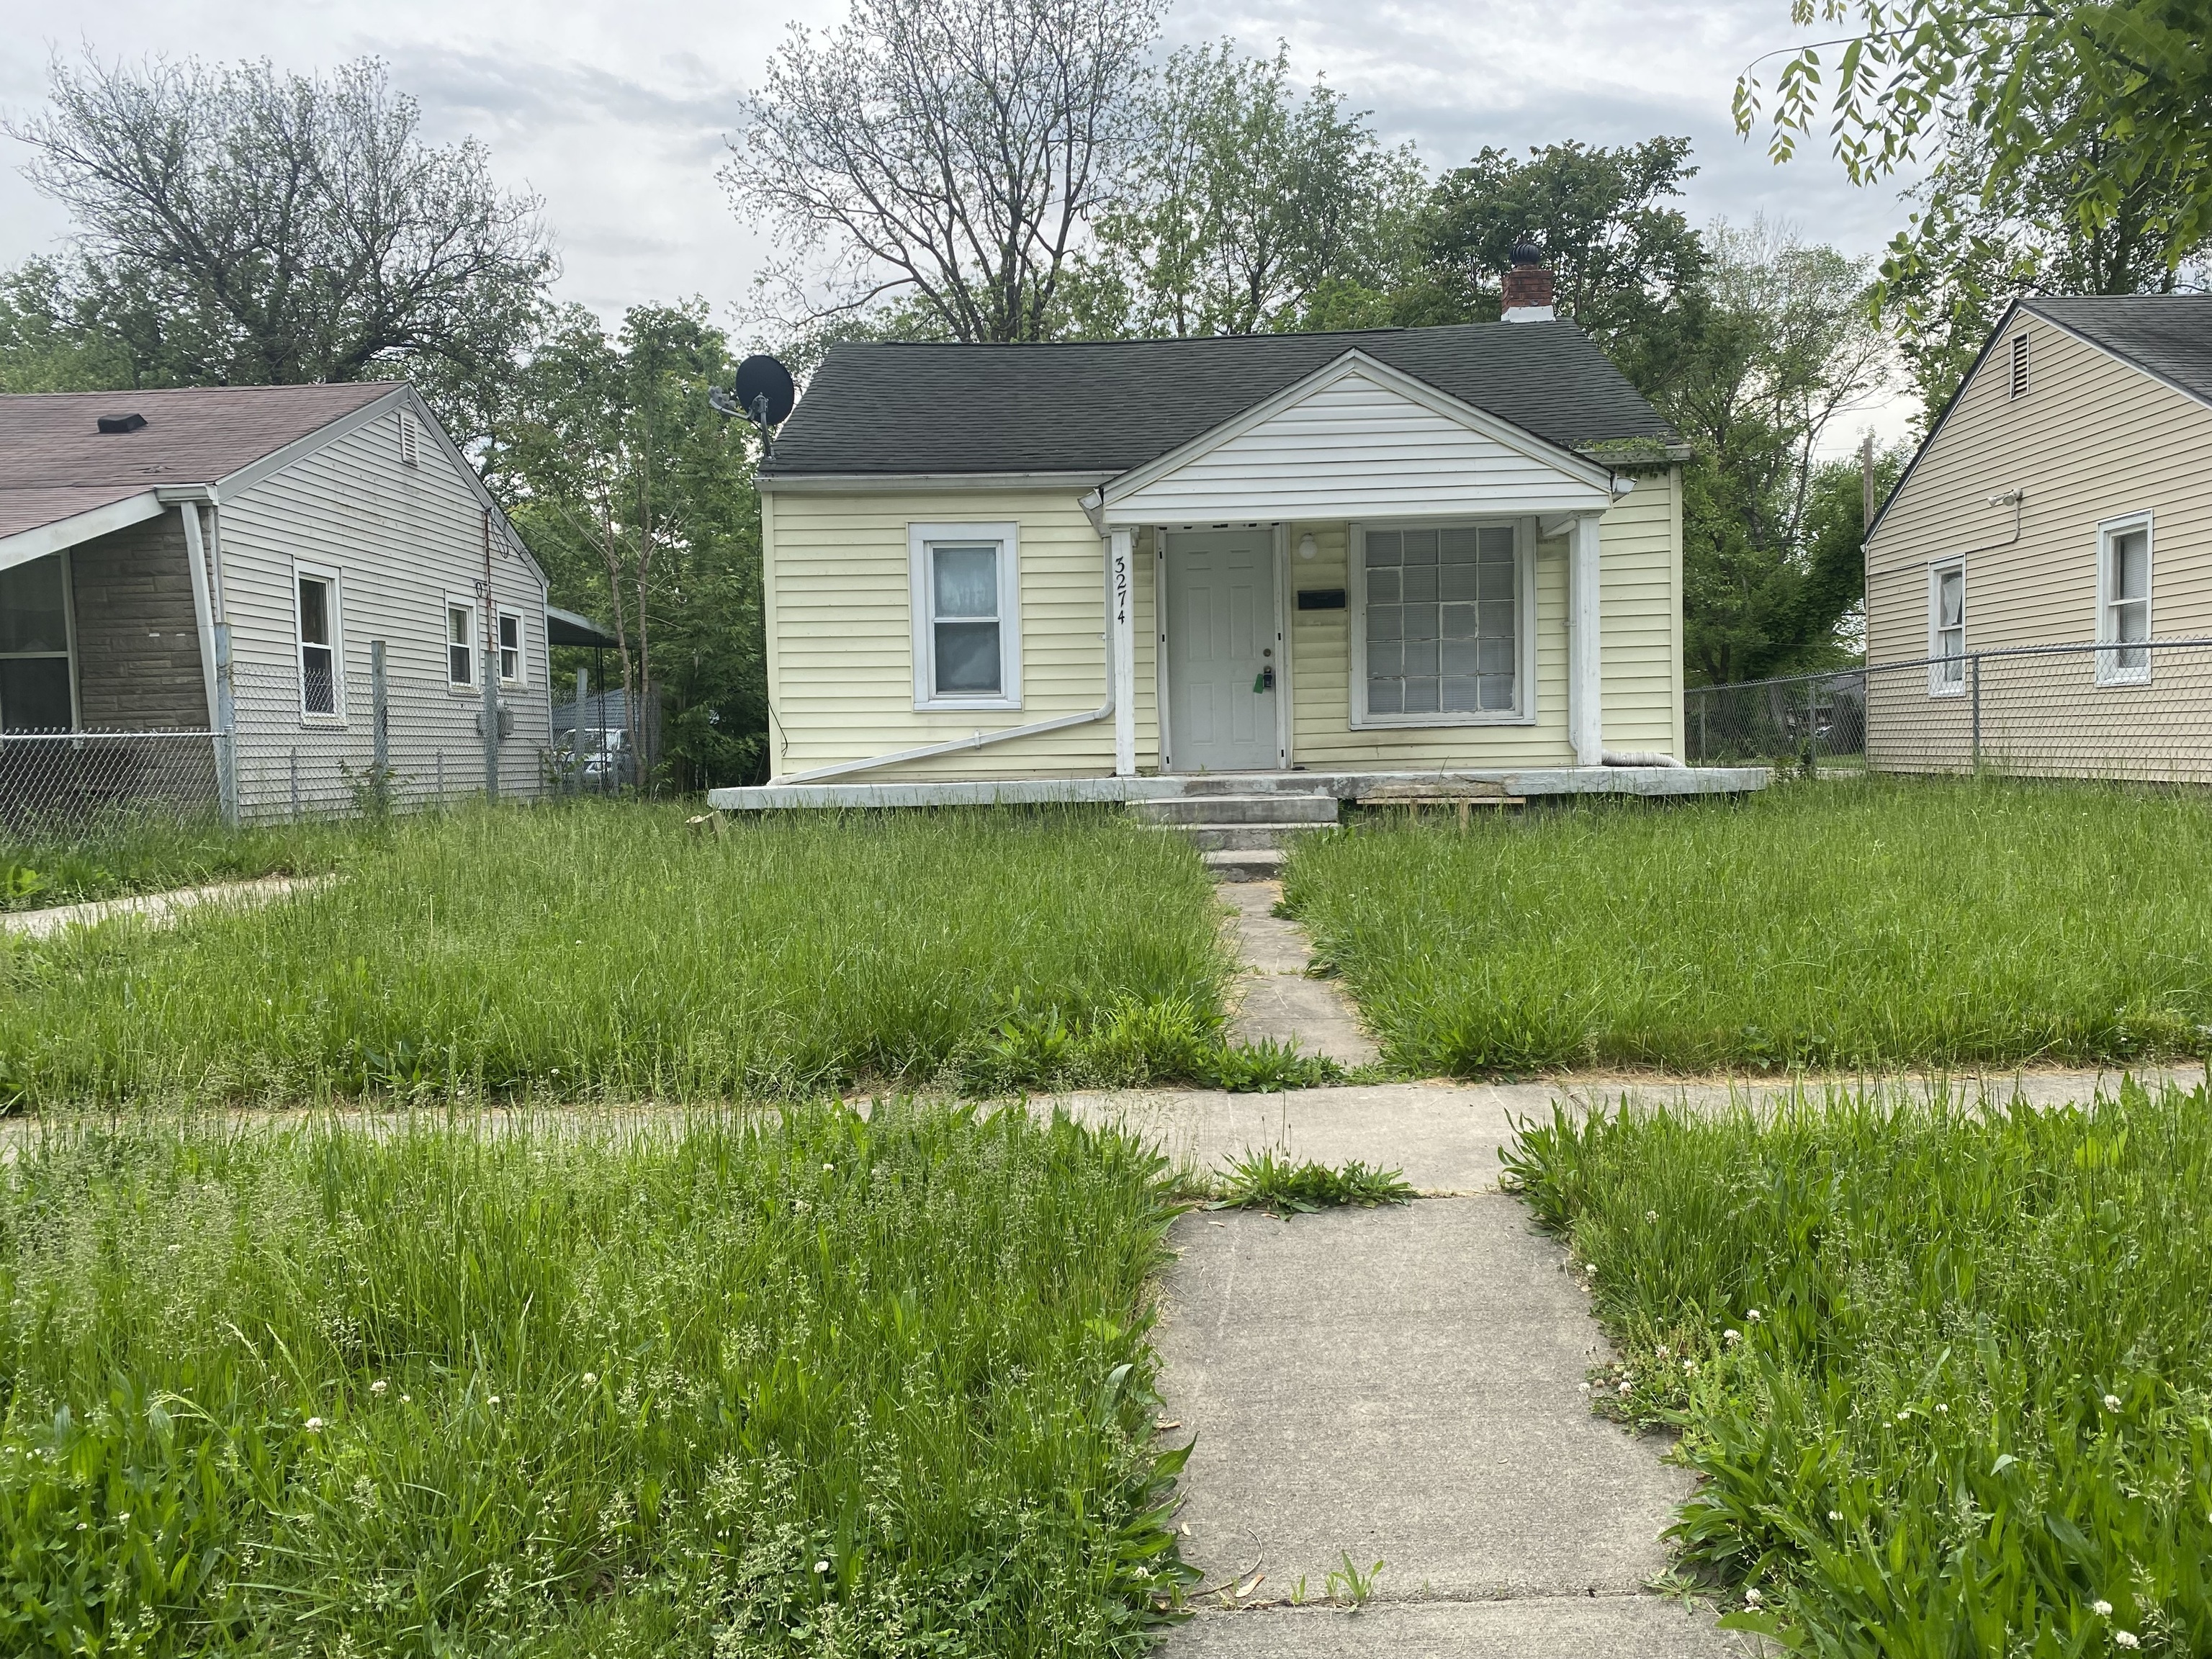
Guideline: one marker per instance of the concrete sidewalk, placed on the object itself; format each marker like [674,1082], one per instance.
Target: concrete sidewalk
[155,909]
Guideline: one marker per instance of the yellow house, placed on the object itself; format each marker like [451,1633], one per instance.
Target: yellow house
[1110,570]
[2040,582]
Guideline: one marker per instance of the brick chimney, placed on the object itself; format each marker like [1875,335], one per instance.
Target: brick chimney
[1527,290]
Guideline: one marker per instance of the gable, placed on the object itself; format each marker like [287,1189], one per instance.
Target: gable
[1356,441]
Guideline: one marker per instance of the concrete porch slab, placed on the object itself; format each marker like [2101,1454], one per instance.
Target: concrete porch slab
[1532,1627]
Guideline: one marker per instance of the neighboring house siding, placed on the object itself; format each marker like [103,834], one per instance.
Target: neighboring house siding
[840,636]
[401,538]
[2092,439]
[1349,447]
[137,636]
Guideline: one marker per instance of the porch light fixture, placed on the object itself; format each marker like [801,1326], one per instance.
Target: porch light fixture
[1307,549]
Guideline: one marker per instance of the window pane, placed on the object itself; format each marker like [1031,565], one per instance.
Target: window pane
[1420,587]
[1420,546]
[2132,566]
[318,685]
[1421,696]
[1458,621]
[1462,695]
[967,659]
[457,626]
[967,580]
[1458,581]
[1384,547]
[314,611]
[1382,587]
[2131,621]
[1950,599]
[1385,622]
[33,614]
[1421,657]
[1385,696]
[1457,547]
[34,695]
[1421,622]
[1495,657]
[1497,620]
[1385,661]
[1496,693]
[1497,542]
[1458,656]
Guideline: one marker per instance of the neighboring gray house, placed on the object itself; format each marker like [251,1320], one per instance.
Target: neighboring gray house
[306,525]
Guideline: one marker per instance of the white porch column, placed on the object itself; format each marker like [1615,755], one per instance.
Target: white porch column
[203,603]
[1585,681]
[1121,646]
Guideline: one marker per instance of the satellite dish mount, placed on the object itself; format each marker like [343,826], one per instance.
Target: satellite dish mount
[763,392]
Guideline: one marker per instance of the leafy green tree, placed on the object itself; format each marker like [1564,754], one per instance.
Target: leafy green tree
[1619,252]
[2118,92]
[639,500]
[48,341]
[1244,206]
[236,226]
[1768,351]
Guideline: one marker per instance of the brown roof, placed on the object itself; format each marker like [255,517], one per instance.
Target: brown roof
[55,462]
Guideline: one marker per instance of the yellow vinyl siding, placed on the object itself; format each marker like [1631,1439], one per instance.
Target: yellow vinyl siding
[841,639]
[2092,439]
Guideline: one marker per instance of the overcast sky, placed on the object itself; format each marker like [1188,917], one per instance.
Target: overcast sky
[616,114]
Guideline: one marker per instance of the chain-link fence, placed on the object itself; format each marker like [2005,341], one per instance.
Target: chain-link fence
[2138,711]
[394,742]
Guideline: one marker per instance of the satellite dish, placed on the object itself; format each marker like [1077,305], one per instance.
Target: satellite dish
[764,390]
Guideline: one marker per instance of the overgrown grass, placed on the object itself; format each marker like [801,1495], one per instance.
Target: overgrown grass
[151,853]
[1868,923]
[604,951]
[1946,1376]
[818,1386]
[1266,1181]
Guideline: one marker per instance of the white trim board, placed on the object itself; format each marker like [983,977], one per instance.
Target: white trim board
[39,540]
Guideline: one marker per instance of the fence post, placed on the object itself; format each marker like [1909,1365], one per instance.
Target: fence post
[226,727]
[380,716]
[1974,675]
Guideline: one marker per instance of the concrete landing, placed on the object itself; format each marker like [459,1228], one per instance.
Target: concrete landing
[1275,999]
[1537,1627]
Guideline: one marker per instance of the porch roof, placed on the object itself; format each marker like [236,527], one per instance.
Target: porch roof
[1108,407]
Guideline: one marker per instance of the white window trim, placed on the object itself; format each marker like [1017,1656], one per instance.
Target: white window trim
[2109,671]
[522,649]
[1523,712]
[919,537]
[473,687]
[1937,686]
[331,578]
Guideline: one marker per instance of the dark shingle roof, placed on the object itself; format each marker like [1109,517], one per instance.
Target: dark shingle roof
[55,462]
[2168,335]
[1106,406]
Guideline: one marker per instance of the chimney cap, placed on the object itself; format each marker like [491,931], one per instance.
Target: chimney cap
[1526,254]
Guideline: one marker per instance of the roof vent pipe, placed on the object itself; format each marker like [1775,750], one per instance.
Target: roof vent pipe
[1527,288]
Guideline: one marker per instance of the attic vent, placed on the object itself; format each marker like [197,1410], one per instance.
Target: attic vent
[131,422]
[2019,365]
[410,454]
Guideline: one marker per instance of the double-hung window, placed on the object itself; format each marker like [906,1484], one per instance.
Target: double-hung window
[460,645]
[967,615]
[2124,599]
[316,625]
[510,648]
[1947,630]
[38,678]
[1442,630]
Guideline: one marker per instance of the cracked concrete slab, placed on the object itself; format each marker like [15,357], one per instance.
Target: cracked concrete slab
[1400,1384]
[1547,1627]
[1275,1000]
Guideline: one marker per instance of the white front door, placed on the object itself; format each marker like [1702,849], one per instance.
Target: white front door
[1224,658]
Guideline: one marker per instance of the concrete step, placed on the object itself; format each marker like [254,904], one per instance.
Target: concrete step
[1247,783]
[1253,864]
[1240,837]
[1238,808]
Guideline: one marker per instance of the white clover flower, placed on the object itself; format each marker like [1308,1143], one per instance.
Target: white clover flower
[1752,1598]
[1627,1388]
[1835,1515]
[493,1400]
[2103,1609]
[821,1567]
[406,1399]
[1666,1353]
[1584,1387]
[1690,1367]
[1731,1336]
[1651,1215]
[1905,1417]
[314,1424]
[174,1248]
[378,1386]
[1591,1270]
[2125,1639]
[591,1379]
[1751,1315]
[2112,1403]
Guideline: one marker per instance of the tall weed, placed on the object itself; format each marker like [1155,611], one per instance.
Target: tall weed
[818,1386]
[1946,1377]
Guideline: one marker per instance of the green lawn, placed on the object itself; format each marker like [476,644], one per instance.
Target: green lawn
[1871,922]
[813,1386]
[604,951]
[1946,1377]
[151,853]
